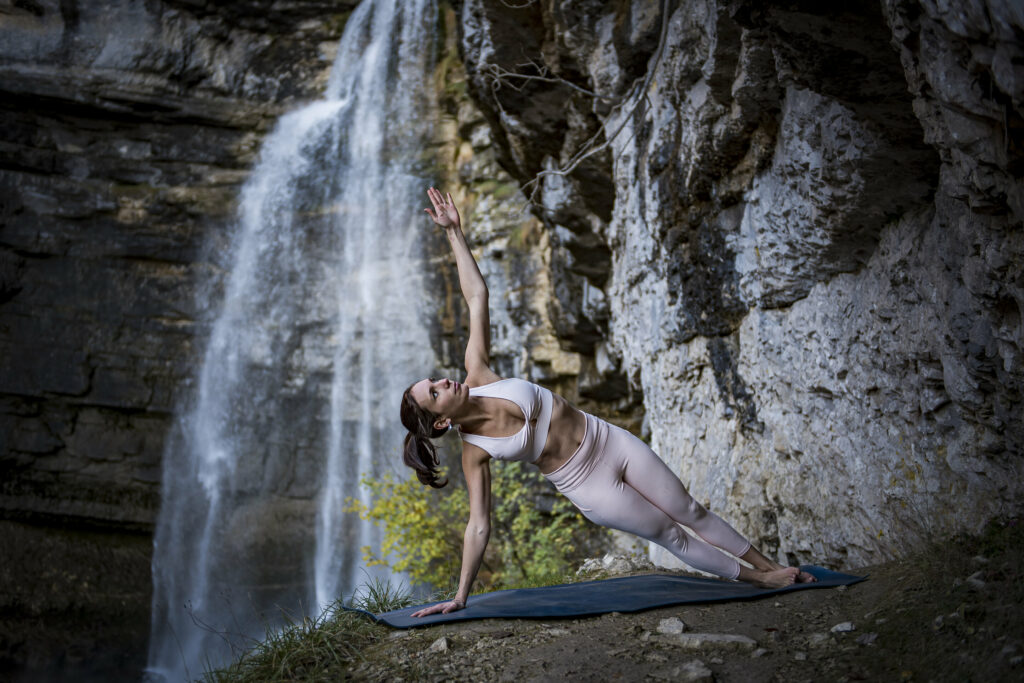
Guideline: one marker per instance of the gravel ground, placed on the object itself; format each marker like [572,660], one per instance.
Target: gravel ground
[950,613]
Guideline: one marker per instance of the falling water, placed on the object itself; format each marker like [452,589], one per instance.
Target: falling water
[317,335]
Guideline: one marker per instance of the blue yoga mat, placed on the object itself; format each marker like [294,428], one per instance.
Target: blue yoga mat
[626,594]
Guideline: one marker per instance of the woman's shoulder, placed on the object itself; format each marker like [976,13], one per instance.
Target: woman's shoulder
[482,377]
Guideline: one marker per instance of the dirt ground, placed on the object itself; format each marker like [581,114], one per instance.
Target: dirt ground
[950,613]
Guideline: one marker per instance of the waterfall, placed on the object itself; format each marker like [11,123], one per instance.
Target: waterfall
[317,333]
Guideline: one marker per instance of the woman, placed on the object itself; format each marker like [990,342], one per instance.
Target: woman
[609,474]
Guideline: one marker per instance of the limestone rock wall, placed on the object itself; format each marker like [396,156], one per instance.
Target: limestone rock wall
[126,131]
[798,233]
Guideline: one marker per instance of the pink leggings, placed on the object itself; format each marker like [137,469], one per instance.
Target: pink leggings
[616,480]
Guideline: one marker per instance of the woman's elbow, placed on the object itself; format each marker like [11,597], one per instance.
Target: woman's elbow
[479,294]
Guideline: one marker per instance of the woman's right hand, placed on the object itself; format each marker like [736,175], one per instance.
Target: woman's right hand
[442,607]
[444,214]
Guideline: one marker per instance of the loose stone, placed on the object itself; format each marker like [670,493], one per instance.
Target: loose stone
[844,627]
[691,672]
[671,625]
[440,645]
[696,641]
[867,639]
[818,639]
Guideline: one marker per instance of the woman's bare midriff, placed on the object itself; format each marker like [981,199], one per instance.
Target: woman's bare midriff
[565,434]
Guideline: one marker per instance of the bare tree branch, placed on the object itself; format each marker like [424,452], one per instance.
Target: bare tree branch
[636,98]
[499,75]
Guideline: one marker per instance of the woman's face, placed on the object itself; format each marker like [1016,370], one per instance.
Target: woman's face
[442,397]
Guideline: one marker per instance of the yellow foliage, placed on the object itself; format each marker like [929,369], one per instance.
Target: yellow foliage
[532,542]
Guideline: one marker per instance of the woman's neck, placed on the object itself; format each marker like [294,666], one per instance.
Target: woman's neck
[473,415]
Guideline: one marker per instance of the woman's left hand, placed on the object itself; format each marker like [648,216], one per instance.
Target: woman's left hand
[444,214]
[442,607]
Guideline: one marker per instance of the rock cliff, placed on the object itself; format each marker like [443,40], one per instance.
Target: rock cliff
[790,241]
[796,229]
[126,129]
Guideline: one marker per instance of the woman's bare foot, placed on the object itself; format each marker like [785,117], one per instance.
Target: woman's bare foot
[804,577]
[765,567]
[774,578]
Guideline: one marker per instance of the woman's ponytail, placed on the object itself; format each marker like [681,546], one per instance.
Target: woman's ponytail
[417,451]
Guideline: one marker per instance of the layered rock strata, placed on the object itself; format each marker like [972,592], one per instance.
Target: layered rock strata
[127,133]
[127,129]
[797,230]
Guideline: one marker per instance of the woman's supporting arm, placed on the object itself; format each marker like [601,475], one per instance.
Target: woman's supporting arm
[476,467]
[474,288]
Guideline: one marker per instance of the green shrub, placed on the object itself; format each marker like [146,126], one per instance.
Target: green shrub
[536,537]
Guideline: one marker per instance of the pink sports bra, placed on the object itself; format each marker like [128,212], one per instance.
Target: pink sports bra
[526,444]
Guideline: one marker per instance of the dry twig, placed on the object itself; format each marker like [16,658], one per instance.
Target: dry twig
[635,97]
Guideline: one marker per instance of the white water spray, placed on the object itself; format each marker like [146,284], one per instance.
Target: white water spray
[318,333]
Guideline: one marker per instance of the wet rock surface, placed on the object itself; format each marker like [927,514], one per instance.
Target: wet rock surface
[126,132]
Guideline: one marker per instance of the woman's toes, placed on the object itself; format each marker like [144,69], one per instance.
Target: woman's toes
[778,578]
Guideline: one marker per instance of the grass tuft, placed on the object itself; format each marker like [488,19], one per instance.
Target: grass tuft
[318,648]
[380,595]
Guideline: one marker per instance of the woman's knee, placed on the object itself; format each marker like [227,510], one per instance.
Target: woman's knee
[671,536]
[695,511]
[688,511]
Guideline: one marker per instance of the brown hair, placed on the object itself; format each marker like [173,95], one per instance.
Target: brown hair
[417,451]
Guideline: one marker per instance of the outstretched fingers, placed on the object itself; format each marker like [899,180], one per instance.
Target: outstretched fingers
[426,611]
[439,214]
[438,200]
[444,212]
[442,607]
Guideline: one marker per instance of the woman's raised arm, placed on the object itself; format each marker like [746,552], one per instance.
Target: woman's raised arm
[474,289]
